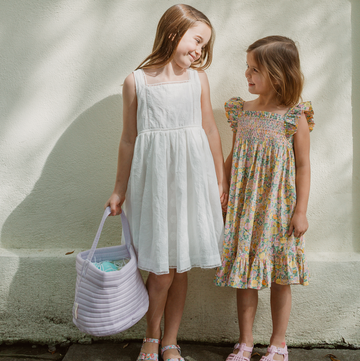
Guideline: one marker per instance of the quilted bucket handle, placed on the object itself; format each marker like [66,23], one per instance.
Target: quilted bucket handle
[126,230]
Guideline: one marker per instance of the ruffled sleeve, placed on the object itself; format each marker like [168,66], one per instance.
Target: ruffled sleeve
[293,115]
[233,108]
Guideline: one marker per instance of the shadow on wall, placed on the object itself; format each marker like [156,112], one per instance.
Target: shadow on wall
[77,170]
[59,201]
[79,173]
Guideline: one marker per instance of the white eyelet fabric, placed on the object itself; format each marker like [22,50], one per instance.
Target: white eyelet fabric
[172,200]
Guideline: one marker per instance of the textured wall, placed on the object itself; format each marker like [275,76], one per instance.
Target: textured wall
[356,121]
[62,66]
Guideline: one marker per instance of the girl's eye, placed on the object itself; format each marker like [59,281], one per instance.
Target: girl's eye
[198,41]
[255,70]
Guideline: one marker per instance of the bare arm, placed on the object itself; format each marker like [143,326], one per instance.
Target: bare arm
[126,147]
[299,223]
[212,133]
[228,161]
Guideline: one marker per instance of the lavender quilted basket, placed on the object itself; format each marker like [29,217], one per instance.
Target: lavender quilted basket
[109,302]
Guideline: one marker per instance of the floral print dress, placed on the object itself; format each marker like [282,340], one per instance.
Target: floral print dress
[257,250]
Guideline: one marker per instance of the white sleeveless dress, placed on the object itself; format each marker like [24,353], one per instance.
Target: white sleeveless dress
[172,200]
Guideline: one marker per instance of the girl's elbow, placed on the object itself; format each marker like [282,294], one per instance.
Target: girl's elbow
[211,131]
[127,142]
[303,168]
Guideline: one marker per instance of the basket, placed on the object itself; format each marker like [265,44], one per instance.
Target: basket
[109,302]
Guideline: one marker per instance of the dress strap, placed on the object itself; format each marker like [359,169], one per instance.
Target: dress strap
[193,76]
[139,76]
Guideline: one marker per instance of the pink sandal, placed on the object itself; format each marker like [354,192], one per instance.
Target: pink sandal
[272,350]
[240,355]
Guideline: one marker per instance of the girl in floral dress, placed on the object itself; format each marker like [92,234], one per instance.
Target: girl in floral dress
[269,168]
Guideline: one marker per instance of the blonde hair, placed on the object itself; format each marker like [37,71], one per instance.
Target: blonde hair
[279,57]
[171,28]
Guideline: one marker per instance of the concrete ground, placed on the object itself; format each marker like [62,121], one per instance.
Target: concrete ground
[129,352]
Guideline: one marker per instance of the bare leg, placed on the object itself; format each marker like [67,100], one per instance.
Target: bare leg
[173,312]
[247,301]
[158,288]
[280,312]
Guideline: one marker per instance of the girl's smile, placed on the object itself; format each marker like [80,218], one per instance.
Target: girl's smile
[191,45]
[258,82]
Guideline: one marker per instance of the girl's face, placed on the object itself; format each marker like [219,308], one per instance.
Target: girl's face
[258,81]
[191,45]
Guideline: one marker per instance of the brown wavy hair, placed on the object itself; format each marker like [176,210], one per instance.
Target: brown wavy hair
[278,56]
[171,28]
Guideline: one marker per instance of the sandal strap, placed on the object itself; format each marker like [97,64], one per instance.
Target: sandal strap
[148,356]
[280,351]
[243,348]
[151,340]
[240,355]
[272,350]
[170,347]
[237,357]
[265,358]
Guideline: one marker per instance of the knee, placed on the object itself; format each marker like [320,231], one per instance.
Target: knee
[180,276]
[160,282]
[275,287]
[247,294]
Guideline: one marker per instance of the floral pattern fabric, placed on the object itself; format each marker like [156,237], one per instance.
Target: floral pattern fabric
[257,250]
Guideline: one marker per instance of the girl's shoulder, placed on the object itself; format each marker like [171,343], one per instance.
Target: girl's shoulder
[201,78]
[199,73]
[129,83]
[233,109]
[235,104]
[131,77]
[294,113]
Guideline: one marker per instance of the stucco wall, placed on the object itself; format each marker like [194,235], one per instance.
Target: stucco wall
[62,66]
[356,121]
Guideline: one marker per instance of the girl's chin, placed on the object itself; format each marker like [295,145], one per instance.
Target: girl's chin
[183,65]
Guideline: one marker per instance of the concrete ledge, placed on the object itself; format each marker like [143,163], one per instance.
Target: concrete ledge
[128,351]
[321,313]
[195,352]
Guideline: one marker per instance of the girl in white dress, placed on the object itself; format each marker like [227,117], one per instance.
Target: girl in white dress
[171,170]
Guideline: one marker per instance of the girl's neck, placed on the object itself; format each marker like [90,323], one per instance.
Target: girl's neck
[267,103]
[267,100]
[168,73]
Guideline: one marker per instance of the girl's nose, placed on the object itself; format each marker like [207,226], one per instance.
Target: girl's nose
[198,50]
